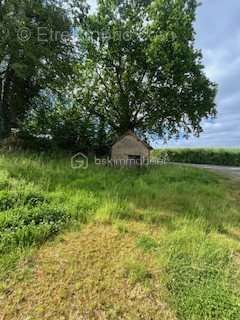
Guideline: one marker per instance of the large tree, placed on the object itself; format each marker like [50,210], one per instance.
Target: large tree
[36,53]
[141,70]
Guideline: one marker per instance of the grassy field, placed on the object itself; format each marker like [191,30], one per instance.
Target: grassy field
[214,156]
[104,243]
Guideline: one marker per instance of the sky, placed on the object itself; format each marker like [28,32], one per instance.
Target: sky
[218,36]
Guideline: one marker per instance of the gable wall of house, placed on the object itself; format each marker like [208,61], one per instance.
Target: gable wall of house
[129,145]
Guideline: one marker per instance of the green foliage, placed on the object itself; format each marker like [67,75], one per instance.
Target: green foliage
[192,217]
[137,272]
[26,215]
[200,276]
[65,127]
[11,199]
[135,68]
[226,157]
[43,61]
[113,210]
[4,180]
[7,200]
[27,226]
[33,199]
[147,243]
[121,227]
[140,69]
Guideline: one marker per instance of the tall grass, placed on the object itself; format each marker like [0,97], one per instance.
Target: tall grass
[196,212]
[30,184]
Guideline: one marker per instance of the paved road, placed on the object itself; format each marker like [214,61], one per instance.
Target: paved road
[231,172]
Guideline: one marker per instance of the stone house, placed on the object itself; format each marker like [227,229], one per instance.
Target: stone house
[130,150]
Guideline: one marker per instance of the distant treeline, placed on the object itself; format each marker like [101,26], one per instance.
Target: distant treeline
[227,157]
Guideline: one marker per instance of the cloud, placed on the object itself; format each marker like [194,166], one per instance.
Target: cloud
[218,35]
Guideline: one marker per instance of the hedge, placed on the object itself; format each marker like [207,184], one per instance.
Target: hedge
[226,157]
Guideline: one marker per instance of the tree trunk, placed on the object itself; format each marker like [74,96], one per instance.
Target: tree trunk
[6,114]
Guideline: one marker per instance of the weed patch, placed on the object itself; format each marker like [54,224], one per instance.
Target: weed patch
[26,226]
[147,244]
[136,272]
[199,278]
[7,200]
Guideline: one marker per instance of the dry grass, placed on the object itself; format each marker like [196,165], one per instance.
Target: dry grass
[83,275]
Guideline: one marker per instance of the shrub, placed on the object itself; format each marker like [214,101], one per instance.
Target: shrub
[10,199]
[33,199]
[27,226]
[7,200]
